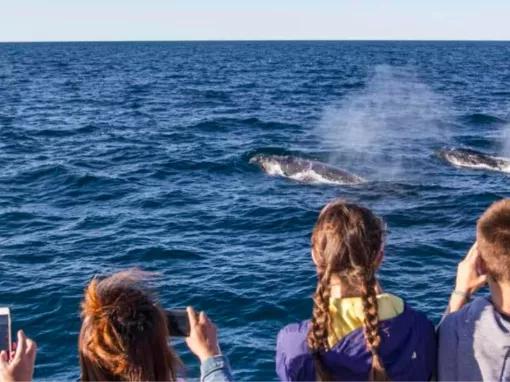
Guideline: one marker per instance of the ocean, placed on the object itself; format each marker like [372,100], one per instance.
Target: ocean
[119,155]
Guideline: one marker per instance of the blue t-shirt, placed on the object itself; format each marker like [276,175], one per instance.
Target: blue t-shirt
[474,344]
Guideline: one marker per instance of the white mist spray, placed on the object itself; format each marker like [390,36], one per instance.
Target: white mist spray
[393,115]
[505,146]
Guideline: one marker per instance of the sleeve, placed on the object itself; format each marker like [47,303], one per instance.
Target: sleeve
[448,342]
[432,352]
[281,359]
[216,369]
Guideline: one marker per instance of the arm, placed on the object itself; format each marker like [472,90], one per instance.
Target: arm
[203,342]
[469,280]
[216,369]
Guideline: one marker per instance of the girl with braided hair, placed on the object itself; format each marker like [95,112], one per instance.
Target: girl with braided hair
[357,332]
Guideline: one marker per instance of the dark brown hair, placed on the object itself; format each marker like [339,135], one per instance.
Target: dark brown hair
[346,242]
[124,332]
[493,239]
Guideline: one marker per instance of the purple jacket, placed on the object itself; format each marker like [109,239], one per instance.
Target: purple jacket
[408,351]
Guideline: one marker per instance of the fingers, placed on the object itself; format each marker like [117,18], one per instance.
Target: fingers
[25,347]
[31,348]
[20,347]
[206,322]
[13,351]
[202,319]
[472,253]
[4,357]
[192,316]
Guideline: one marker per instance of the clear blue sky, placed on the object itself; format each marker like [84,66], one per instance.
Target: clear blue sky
[71,20]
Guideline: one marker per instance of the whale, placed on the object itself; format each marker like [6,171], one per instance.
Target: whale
[304,170]
[473,159]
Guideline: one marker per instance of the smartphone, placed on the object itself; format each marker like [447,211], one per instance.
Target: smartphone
[5,330]
[178,322]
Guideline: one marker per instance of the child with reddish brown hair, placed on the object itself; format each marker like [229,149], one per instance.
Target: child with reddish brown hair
[124,335]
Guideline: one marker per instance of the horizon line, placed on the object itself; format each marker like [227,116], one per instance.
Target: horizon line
[252,40]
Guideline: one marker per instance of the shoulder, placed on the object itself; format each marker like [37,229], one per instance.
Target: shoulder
[464,317]
[468,312]
[292,339]
[292,350]
[405,314]
[417,319]
[421,327]
[416,314]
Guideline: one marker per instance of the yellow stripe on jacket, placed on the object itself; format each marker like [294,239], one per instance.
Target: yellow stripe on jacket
[347,313]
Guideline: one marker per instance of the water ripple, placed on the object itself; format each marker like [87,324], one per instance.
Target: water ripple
[117,155]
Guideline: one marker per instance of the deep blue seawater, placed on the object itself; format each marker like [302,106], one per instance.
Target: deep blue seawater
[118,155]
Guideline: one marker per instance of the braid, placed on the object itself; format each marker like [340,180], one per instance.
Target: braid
[371,325]
[346,243]
[321,321]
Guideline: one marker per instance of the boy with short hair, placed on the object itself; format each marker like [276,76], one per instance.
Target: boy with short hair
[474,338]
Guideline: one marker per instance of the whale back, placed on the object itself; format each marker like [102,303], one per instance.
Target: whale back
[474,159]
[304,170]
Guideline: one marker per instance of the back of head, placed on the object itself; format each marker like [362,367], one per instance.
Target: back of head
[493,240]
[124,335]
[346,242]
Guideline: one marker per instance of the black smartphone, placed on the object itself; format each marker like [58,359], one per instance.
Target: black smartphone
[5,330]
[178,322]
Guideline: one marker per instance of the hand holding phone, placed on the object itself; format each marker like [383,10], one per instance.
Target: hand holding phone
[203,340]
[20,366]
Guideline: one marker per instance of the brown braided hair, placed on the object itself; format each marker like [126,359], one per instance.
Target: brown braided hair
[124,332]
[346,242]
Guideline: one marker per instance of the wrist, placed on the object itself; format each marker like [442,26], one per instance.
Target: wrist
[462,293]
[7,377]
[458,299]
[209,353]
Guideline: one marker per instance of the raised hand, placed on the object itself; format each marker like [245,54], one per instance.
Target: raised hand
[20,366]
[203,340]
[469,279]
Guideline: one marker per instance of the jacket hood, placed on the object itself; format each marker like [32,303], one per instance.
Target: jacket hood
[407,351]
[347,314]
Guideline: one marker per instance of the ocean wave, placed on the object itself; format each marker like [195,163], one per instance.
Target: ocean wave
[137,155]
[482,119]
[224,124]
[58,132]
[161,253]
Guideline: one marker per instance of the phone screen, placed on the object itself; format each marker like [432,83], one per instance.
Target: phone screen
[4,332]
[178,322]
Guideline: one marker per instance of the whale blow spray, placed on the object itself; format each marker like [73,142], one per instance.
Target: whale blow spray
[394,106]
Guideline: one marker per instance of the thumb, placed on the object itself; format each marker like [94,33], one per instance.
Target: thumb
[482,279]
[479,283]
